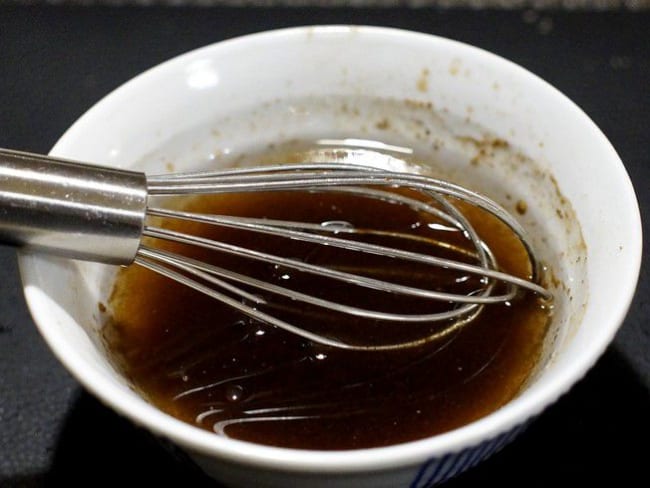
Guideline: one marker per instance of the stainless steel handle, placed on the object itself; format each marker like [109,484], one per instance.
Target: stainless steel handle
[71,209]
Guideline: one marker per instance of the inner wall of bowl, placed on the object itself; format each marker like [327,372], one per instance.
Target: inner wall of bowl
[210,106]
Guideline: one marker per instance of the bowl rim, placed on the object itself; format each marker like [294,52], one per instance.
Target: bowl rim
[511,415]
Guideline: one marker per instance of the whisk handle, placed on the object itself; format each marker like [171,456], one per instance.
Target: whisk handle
[71,209]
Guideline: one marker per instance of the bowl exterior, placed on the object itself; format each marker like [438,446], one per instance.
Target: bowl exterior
[432,472]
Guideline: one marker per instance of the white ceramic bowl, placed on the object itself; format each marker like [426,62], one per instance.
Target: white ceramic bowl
[235,96]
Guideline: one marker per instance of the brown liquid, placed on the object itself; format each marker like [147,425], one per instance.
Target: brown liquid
[210,366]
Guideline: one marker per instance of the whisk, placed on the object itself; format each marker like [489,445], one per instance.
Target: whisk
[82,211]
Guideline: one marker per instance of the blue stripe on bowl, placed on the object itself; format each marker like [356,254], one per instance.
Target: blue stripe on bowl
[438,470]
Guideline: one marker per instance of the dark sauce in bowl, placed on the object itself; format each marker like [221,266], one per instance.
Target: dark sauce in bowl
[214,368]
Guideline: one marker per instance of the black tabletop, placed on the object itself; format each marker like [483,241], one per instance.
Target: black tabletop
[55,62]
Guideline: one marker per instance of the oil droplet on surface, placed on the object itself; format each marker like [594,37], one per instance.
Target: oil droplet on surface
[234,393]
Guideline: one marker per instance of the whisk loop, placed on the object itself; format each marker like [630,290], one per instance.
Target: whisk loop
[118,199]
[361,181]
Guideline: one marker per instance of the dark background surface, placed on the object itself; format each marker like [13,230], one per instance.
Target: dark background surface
[56,62]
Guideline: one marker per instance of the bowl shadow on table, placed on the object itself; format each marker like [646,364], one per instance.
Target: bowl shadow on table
[587,436]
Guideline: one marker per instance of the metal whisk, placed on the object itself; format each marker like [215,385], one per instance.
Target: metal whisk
[101,214]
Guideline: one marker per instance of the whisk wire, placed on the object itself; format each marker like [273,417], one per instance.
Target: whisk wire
[150,259]
[330,176]
[361,181]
